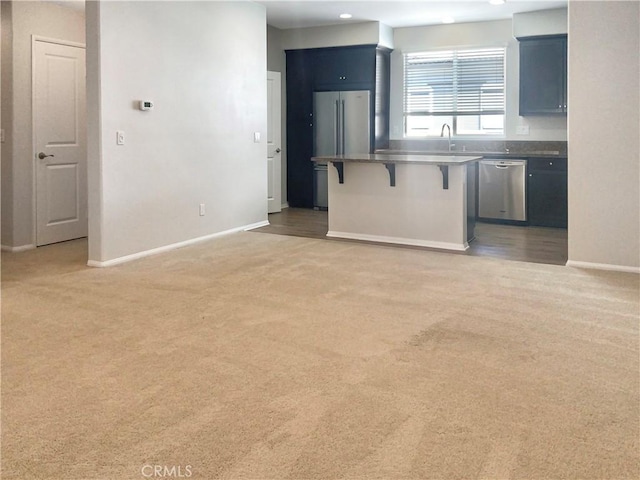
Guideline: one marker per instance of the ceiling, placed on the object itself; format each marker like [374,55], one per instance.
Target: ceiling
[73,4]
[286,14]
[314,13]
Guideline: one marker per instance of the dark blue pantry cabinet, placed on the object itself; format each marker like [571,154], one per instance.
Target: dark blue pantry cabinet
[361,67]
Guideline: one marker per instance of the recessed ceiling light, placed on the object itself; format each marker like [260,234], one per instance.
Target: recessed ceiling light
[448,20]
[345,15]
[496,2]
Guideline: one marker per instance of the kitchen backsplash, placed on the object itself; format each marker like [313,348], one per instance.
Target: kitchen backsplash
[494,146]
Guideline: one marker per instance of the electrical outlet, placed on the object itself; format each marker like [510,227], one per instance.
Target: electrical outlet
[2,135]
[202,209]
[119,137]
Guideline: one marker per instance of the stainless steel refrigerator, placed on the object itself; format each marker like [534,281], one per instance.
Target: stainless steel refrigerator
[340,126]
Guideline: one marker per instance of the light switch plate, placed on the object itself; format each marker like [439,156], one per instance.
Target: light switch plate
[522,130]
[119,137]
[256,137]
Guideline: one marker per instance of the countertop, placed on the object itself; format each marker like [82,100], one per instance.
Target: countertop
[419,158]
[496,154]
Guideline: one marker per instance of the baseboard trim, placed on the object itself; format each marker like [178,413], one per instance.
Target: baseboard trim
[173,246]
[21,248]
[284,205]
[255,225]
[399,241]
[603,266]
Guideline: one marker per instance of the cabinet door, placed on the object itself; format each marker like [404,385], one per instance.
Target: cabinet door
[345,68]
[381,100]
[543,66]
[547,198]
[299,129]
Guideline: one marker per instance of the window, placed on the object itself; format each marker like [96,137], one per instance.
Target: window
[464,88]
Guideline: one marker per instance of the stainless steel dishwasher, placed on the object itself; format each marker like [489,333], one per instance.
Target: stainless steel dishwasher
[501,189]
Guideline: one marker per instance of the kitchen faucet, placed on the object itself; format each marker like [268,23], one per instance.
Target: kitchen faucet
[449,134]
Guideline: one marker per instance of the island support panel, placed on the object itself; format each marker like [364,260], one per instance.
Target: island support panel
[416,211]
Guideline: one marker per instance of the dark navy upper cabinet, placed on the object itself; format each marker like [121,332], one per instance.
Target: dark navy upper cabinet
[345,68]
[543,75]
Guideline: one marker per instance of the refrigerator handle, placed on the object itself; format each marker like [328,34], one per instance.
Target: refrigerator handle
[342,129]
[337,139]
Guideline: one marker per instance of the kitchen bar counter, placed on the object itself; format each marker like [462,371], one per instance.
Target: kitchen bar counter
[422,200]
[393,157]
[483,153]
[391,160]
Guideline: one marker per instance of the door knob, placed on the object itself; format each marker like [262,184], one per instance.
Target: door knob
[43,155]
[278,150]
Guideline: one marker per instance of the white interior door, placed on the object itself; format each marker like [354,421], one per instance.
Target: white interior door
[274,142]
[60,142]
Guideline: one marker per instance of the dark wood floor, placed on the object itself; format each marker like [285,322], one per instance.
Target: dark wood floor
[526,244]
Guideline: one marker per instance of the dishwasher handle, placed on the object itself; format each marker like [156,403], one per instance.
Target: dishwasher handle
[504,163]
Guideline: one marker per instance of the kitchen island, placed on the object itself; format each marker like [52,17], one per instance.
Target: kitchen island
[421,200]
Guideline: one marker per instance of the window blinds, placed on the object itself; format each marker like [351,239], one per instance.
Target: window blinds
[454,82]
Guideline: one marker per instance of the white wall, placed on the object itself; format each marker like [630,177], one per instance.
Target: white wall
[2,28]
[204,66]
[6,149]
[366,33]
[542,22]
[494,33]
[94,132]
[604,146]
[28,18]
[386,36]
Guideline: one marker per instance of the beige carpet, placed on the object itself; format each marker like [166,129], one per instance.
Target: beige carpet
[271,357]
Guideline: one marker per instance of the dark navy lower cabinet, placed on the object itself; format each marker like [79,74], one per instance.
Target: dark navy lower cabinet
[547,192]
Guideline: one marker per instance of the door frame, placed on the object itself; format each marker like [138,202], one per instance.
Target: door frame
[277,75]
[34,191]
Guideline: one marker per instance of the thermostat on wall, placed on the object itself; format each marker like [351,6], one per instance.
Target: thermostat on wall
[146,105]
